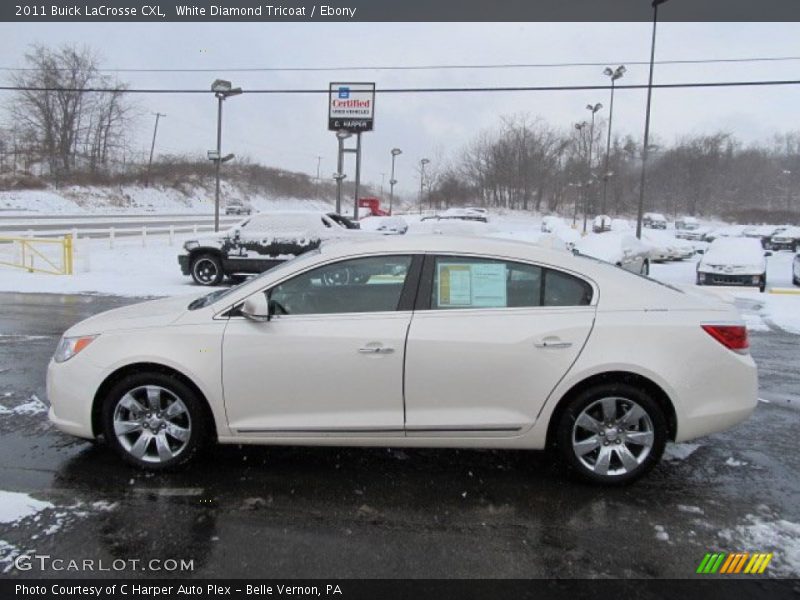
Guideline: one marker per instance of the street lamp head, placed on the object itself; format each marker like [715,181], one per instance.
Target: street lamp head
[621,70]
[657,2]
[580,125]
[594,108]
[221,86]
[608,72]
[424,161]
[396,151]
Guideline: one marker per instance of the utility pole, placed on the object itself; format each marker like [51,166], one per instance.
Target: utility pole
[640,207]
[422,164]
[358,174]
[152,148]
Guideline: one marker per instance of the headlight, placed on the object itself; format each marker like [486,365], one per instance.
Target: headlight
[191,245]
[70,346]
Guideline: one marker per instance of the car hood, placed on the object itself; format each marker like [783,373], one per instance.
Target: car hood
[154,313]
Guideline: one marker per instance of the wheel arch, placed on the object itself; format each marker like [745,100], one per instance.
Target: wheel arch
[653,389]
[139,367]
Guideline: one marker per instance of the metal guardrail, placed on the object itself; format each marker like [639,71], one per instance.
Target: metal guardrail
[29,254]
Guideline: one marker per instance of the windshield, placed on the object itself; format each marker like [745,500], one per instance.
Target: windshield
[209,299]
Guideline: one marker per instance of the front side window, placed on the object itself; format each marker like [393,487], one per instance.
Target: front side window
[371,284]
[461,282]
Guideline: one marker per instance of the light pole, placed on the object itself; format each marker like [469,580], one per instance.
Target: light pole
[614,74]
[422,164]
[392,181]
[222,89]
[339,176]
[640,208]
[152,147]
[319,162]
[592,108]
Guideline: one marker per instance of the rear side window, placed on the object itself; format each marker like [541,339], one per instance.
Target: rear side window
[462,282]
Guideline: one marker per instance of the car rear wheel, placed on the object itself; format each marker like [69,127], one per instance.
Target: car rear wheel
[611,434]
[207,270]
[154,421]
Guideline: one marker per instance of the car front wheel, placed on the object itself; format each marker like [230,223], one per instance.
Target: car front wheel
[154,421]
[611,434]
[207,270]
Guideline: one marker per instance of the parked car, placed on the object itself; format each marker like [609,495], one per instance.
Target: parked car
[733,261]
[796,270]
[762,233]
[461,214]
[695,234]
[620,249]
[729,231]
[385,225]
[686,223]
[237,207]
[666,247]
[257,244]
[437,342]
[788,239]
[653,220]
[601,223]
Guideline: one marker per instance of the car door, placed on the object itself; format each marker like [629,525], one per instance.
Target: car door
[490,340]
[330,362]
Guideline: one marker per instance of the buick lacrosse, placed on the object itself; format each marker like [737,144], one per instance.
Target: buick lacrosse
[430,341]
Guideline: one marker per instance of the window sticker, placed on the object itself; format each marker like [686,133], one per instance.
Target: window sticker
[471,285]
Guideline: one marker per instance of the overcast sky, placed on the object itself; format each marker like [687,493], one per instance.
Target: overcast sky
[290,131]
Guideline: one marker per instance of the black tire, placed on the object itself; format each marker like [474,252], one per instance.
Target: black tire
[195,419]
[763,285]
[206,269]
[699,279]
[623,392]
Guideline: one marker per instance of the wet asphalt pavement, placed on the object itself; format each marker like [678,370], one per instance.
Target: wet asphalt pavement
[331,512]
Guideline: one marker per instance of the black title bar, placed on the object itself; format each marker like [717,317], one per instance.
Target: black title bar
[397,10]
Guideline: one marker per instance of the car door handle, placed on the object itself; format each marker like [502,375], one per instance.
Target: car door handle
[376,350]
[552,343]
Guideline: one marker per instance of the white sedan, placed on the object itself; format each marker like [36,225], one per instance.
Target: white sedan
[432,341]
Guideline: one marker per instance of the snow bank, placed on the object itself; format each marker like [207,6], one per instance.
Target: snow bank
[15,506]
[767,533]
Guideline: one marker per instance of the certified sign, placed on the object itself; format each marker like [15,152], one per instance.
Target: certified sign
[351,106]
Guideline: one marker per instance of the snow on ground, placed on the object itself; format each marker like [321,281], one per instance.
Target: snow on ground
[33,406]
[92,200]
[15,506]
[768,533]
[45,518]
[680,451]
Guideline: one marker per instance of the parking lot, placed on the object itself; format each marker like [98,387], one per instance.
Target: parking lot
[343,512]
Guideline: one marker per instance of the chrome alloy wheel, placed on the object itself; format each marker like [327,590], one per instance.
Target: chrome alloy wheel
[612,436]
[152,424]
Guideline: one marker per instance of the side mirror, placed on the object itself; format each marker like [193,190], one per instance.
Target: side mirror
[768,253]
[256,308]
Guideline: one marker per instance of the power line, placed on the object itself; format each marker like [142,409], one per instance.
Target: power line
[428,90]
[431,67]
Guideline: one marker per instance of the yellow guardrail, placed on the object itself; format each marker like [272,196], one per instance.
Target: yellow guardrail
[31,251]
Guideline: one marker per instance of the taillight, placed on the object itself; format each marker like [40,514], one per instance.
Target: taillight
[733,337]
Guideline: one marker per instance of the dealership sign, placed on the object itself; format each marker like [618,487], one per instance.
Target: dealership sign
[351,106]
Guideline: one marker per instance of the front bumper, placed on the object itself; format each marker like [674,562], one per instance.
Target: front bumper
[783,245]
[183,261]
[729,279]
[70,391]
